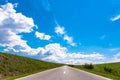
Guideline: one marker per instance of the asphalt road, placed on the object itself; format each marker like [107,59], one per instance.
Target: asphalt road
[63,73]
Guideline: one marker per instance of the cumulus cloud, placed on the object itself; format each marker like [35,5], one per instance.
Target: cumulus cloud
[56,53]
[42,36]
[61,31]
[11,25]
[15,22]
[115,18]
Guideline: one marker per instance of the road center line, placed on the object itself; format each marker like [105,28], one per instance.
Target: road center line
[64,72]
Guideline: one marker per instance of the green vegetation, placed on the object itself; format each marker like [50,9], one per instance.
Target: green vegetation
[13,66]
[110,70]
[88,66]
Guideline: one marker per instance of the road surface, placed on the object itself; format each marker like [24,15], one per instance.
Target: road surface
[63,73]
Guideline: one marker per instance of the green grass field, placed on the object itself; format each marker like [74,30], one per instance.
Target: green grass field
[110,70]
[12,66]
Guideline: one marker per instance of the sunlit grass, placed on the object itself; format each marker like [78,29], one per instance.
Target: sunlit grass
[13,66]
[110,70]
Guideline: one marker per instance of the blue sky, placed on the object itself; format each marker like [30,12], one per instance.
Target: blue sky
[63,31]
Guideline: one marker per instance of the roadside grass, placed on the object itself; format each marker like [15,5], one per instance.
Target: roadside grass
[109,70]
[13,66]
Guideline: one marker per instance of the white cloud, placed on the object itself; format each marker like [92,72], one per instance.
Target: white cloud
[60,30]
[11,25]
[15,22]
[56,53]
[115,18]
[42,36]
[116,58]
[69,40]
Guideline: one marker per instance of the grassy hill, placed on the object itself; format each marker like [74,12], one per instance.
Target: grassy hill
[110,70]
[12,66]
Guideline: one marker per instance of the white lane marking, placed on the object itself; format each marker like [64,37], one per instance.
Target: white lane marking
[64,72]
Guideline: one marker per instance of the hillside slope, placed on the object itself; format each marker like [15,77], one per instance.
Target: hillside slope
[110,70]
[13,65]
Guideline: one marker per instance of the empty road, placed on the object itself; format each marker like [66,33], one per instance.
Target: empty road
[63,73]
